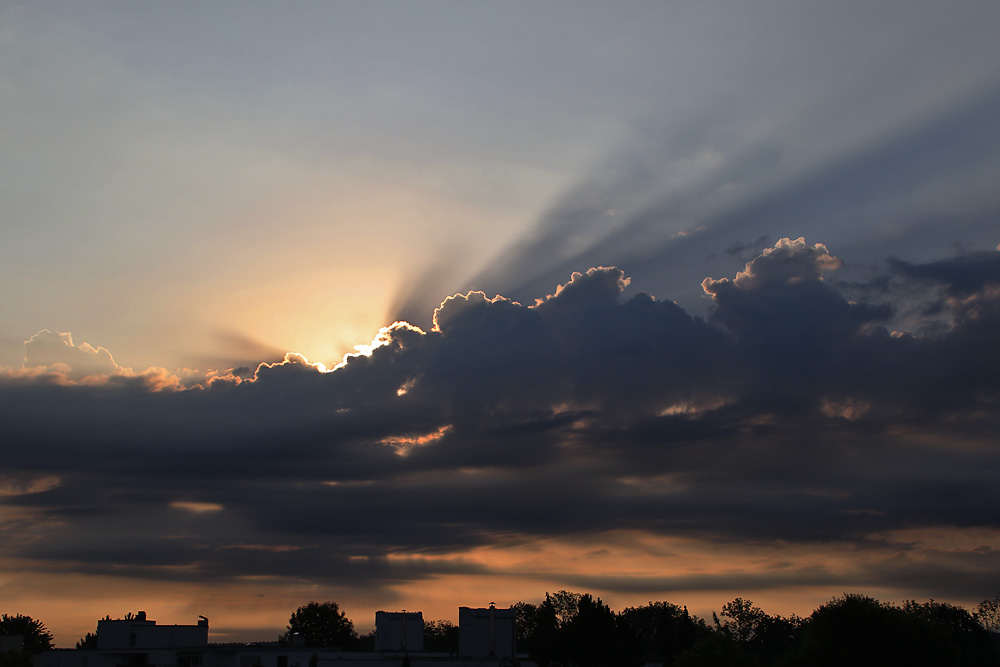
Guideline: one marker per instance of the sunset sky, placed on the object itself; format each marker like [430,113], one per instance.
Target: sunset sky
[426,304]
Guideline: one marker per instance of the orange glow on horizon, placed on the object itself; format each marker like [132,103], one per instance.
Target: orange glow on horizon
[624,568]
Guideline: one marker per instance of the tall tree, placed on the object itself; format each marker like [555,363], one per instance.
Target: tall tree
[525,620]
[591,636]
[744,619]
[988,614]
[320,624]
[36,635]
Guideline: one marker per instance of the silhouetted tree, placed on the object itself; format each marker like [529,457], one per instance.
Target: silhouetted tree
[441,636]
[988,614]
[577,630]
[89,641]
[591,637]
[365,642]
[859,630]
[36,635]
[524,621]
[543,643]
[565,605]
[775,636]
[952,633]
[320,624]
[660,630]
[545,636]
[714,649]
[743,620]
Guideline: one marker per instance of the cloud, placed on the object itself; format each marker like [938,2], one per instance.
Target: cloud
[683,191]
[963,275]
[54,358]
[56,351]
[791,416]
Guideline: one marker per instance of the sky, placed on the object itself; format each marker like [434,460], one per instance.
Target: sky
[420,305]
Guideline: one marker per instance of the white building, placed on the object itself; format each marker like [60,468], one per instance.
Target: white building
[487,633]
[399,631]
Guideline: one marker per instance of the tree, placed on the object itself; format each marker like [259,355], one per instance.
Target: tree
[525,621]
[320,624]
[565,604]
[661,630]
[756,632]
[745,619]
[859,630]
[365,642]
[89,641]
[544,637]
[988,614]
[591,636]
[36,635]
[441,636]
[951,633]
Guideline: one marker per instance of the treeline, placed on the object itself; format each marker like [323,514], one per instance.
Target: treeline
[573,629]
[577,630]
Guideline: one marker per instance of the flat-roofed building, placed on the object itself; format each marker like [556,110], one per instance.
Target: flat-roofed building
[399,631]
[487,633]
[137,632]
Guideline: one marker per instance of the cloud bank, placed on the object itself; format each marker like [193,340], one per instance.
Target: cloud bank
[793,422]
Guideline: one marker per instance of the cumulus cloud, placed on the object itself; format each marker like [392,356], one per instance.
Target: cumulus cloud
[56,352]
[55,358]
[790,416]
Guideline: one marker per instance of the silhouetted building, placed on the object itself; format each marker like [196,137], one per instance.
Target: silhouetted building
[135,641]
[486,633]
[137,632]
[399,631]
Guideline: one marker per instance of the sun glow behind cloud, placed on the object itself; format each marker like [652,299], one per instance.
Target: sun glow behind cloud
[793,429]
[469,489]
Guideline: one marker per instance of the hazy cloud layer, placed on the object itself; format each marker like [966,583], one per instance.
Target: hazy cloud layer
[792,416]
[663,209]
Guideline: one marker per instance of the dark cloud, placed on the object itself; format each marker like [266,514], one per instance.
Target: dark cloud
[791,415]
[963,275]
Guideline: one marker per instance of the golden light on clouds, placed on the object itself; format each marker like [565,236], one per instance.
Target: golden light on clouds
[17,486]
[196,507]
[405,444]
